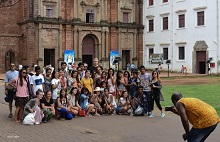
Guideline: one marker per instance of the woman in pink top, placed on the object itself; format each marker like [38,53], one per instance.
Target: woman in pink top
[21,94]
[111,82]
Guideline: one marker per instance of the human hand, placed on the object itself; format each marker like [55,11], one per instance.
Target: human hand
[175,111]
[6,92]
[31,110]
[185,137]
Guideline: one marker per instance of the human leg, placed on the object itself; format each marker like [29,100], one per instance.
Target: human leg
[38,116]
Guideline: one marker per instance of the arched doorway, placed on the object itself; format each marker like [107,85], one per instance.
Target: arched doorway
[88,49]
[9,58]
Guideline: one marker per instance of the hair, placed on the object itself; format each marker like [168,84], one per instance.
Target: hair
[73,71]
[84,89]
[26,67]
[127,73]
[47,69]
[21,77]
[140,87]
[122,94]
[103,83]
[37,68]
[63,63]
[47,92]
[39,91]
[77,93]
[106,89]
[109,73]
[61,97]
[135,71]
[80,64]
[158,77]
[176,96]
[118,77]
[141,67]
[87,71]
[53,74]
[78,68]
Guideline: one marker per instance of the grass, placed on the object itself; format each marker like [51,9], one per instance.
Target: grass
[209,93]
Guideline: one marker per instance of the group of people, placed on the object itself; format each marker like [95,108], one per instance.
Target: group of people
[64,93]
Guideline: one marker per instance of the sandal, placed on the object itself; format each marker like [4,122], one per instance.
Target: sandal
[17,121]
[10,115]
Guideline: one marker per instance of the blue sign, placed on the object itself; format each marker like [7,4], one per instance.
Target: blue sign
[69,56]
[113,55]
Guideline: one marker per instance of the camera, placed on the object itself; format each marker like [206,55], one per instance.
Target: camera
[169,108]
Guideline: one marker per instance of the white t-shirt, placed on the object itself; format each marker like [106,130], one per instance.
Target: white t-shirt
[122,101]
[57,90]
[37,82]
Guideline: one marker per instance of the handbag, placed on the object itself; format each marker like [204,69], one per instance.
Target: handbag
[161,96]
[29,119]
[6,99]
[82,113]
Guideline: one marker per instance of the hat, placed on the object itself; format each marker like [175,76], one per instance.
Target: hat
[97,89]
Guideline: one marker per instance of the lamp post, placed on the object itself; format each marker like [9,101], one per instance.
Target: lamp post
[168,64]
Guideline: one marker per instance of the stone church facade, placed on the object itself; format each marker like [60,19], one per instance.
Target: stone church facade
[38,31]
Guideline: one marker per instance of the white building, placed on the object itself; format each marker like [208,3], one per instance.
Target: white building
[186,32]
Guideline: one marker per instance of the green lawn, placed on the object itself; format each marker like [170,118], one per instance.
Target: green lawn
[208,93]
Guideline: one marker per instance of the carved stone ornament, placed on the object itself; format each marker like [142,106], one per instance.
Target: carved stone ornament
[7,3]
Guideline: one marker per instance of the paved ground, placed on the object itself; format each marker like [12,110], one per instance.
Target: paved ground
[103,129]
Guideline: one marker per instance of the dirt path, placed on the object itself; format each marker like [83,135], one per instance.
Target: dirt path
[192,80]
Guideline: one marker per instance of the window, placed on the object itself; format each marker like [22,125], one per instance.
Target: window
[151,25]
[151,51]
[200,18]
[181,53]
[125,17]
[182,21]
[151,2]
[164,1]
[165,23]
[90,16]
[49,11]
[165,53]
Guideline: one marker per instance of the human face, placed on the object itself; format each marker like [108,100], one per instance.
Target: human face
[63,93]
[49,94]
[48,73]
[79,70]
[125,94]
[134,75]
[28,70]
[61,73]
[106,92]
[154,74]
[63,66]
[75,74]
[103,75]
[37,72]
[24,73]
[57,75]
[85,66]
[88,74]
[40,95]
[74,91]
[142,70]
[12,67]
[140,90]
[95,62]
[125,74]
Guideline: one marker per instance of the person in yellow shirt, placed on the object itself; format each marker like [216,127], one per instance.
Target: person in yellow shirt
[87,81]
[201,115]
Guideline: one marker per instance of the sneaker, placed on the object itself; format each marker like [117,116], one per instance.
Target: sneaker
[151,115]
[10,115]
[62,118]
[162,114]
[37,123]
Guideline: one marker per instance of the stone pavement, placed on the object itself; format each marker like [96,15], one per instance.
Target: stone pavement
[98,128]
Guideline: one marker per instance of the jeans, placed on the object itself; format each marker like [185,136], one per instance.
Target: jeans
[64,114]
[149,100]
[200,135]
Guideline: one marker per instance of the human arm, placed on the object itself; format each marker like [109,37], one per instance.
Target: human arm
[59,104]
[185,122]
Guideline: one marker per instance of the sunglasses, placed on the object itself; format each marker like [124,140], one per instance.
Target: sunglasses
[12,65]
[86,66]
[24,72]
[125,74]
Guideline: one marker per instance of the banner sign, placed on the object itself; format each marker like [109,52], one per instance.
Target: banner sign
[113,61]
[69,56]
[156,58]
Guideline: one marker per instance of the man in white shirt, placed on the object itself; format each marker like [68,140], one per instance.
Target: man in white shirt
[37,81]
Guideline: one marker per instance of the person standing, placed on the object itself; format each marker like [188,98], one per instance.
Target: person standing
[47,80]
[145,79]
[156,86]
[94,67]
[9,90]
[201,115]
[37,81]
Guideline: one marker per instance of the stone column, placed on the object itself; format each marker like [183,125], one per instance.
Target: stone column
[103,44]
[59,8]
[60,47]
[40,48]
[106,44]
[80,44]
[75,43]
[119,47]
[134,44]
[39,7]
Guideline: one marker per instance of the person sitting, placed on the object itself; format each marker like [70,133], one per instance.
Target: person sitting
[73,98]
[47,106]
[124,104]
[84,102]
[97,100]
[140,100]
[109,102]
[33,105]
[63,106]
